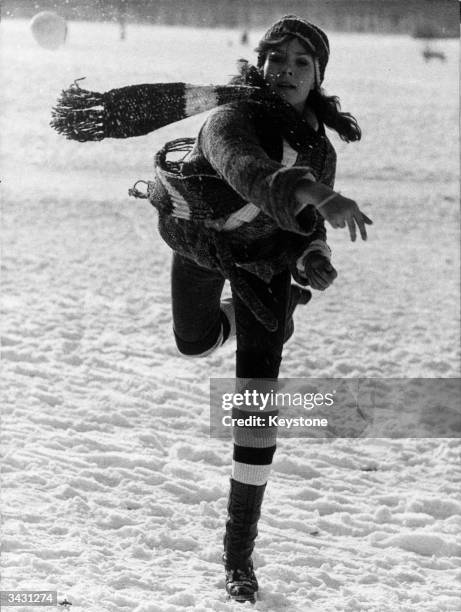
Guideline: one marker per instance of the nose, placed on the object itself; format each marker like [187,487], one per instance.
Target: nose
[287,68]
[285,72]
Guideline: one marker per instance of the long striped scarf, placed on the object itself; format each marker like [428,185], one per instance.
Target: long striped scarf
[136,110]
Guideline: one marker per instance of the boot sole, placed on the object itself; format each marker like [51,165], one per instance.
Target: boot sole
[241,599]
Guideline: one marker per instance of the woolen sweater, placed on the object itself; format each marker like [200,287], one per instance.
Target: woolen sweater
[243,145]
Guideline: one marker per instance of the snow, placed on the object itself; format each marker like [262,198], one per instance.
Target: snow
[113,493]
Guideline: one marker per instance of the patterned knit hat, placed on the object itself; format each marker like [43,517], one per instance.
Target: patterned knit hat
[313,37]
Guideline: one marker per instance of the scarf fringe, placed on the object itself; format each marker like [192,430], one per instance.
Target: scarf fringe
[77,116]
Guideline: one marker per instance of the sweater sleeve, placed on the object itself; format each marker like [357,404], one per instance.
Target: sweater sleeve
[229,142]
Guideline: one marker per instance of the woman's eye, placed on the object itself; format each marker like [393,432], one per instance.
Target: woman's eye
[275,58]
[303,62]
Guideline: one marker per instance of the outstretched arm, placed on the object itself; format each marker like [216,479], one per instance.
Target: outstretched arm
[230,143]
[291,196]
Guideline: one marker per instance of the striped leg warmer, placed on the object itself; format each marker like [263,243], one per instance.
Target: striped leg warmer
[254,447]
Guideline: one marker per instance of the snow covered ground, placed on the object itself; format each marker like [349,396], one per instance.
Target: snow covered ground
[113,492]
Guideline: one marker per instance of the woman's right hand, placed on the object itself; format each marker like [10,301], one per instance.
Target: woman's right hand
[339,211]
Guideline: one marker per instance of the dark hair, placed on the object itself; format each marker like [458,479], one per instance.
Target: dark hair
[327,108]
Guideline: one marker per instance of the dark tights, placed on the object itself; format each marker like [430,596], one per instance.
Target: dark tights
[197,317]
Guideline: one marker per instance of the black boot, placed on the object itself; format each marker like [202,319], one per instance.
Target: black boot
[244,510]
[298,295]
[241,585]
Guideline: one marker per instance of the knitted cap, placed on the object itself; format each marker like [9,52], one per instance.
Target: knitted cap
[313,38]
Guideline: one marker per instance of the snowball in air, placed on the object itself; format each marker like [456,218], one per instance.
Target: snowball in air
[49,29]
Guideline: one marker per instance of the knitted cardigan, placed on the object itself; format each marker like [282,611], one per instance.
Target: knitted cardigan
[241,144]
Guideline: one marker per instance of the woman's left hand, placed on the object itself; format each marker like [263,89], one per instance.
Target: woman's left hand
[318,271]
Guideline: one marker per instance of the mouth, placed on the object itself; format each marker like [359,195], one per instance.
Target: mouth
[284,85]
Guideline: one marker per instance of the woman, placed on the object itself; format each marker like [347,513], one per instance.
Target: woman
[247,204]
[276,232]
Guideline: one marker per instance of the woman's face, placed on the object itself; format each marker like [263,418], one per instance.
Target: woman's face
[290,71]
